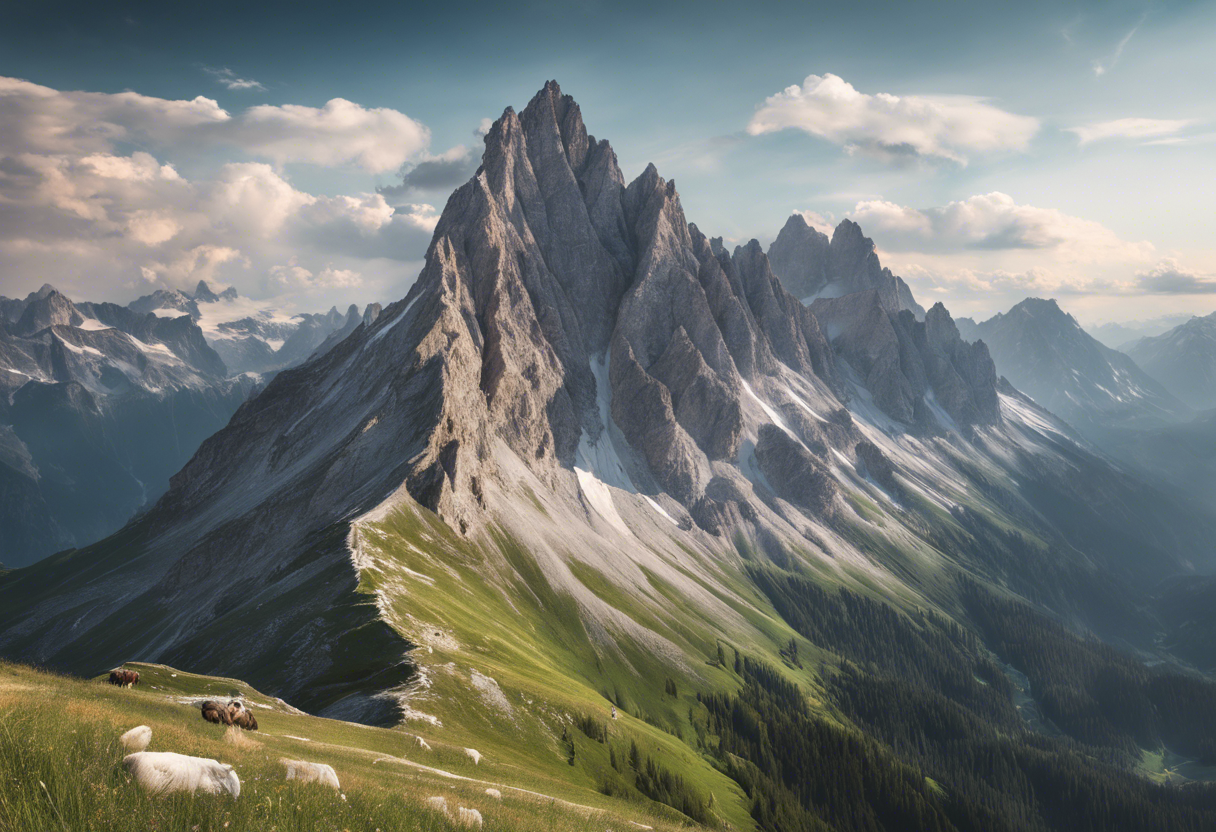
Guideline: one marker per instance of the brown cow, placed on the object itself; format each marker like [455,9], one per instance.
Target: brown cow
[124,678]
[241,716]
[215,712]
[245,719]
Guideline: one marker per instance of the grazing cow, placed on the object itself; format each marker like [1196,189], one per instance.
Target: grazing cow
[245,719]
[215,712]
[124,678]
[137,739]
[312,773]
[164,771]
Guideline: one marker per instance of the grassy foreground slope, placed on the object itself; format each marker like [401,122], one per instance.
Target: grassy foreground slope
[60,767]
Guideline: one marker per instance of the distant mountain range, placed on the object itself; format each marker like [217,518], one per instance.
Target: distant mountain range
[1183,360]
[1120,336]
[101,404]
[1045,353]
[250,336]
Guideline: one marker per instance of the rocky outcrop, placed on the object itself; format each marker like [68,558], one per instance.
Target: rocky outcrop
[703,404]
[962,376]
[813,267]
[46,310]
[909,366]
[873,463]
[795,473]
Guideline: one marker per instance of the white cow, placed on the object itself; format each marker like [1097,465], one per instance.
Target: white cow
[137,739]
[164,771]
[311,773]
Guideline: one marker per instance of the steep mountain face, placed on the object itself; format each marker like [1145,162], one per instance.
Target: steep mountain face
[1183,360]
[570,453]
[253,337]
[811,267]
[1044,352]
[912,368]
[99,406]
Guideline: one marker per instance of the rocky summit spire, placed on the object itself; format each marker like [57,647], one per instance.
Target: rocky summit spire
[812,266]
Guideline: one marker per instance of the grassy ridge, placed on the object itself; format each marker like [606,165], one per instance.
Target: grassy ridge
[60,767]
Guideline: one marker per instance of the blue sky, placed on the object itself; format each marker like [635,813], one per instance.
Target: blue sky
[991,150]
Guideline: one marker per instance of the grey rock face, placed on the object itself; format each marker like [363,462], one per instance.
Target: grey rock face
[901,360]
[961,375]
[864,334]
[795,472]
[704,405]
[801,256]
[813,267]
[875,465]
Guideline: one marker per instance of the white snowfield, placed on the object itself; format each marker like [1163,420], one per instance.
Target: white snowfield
[165,771]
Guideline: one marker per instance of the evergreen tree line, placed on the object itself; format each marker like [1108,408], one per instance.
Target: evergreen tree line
[943,746]
[1095,693]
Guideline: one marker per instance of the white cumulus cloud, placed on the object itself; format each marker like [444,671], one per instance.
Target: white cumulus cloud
[952,127]
[39,119]
[81,208]
[1169,277]
[992,221]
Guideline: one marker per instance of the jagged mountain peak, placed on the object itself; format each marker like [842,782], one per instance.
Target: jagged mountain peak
[47,309]
[848,232]
[812,265]
[1046,307]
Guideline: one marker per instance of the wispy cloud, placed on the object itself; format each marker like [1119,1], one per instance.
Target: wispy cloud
[891,127]
[230,80]
[1130,128]
[1198,138]
[1102,67]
